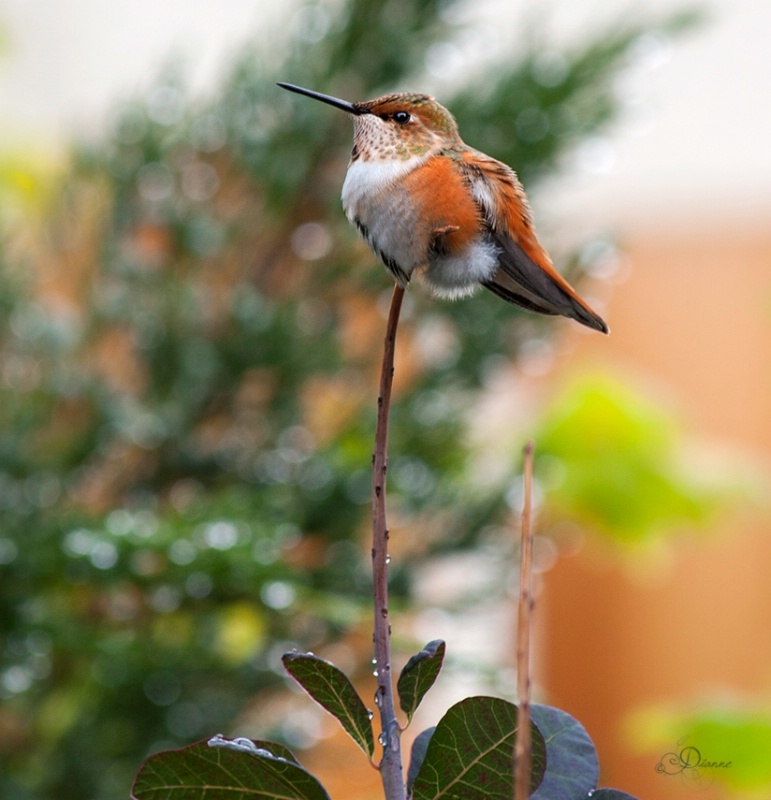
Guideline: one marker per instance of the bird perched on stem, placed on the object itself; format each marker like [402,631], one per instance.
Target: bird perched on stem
[433,208]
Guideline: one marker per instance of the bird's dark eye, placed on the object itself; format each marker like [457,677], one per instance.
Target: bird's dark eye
[401,117]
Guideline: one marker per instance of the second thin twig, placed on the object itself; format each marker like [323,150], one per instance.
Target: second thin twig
[523,743]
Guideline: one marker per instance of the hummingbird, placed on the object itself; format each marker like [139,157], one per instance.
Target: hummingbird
[433,208]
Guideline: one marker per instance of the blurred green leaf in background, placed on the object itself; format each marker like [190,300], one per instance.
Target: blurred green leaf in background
[726,745]
[613,461]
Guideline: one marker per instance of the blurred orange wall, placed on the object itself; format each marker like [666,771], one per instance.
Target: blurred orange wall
[695,318]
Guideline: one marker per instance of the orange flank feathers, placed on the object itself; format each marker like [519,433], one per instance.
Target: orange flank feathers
[441,196]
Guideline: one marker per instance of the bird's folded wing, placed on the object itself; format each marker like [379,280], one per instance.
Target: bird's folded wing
[525,275]
[524,282]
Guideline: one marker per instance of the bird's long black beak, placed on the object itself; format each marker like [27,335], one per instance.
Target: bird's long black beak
[344,105]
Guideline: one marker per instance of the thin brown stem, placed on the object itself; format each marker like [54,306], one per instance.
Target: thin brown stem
[523,743]
[391,769]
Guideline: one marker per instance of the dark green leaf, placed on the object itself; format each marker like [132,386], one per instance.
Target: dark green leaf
[250,745]
[471,752]
[572,769]
[418,676]
[611,794]
[417,754]
[204,772]
[332,690]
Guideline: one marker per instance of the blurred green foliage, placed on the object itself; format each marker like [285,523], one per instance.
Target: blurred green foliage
[187,388]
[739,736]
[612,461]
[728,745]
